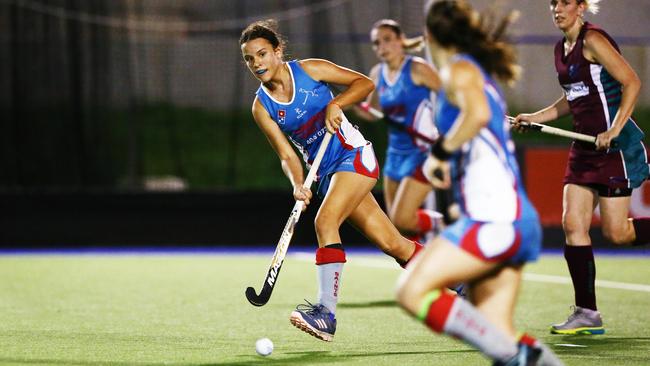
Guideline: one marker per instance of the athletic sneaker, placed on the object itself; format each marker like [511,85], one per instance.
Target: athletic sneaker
[582,321]
[526,356]
[316,320]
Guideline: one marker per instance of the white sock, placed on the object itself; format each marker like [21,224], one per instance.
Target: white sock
[329,279]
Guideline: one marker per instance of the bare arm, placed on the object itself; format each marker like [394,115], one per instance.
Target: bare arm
[424,75]
[358,87]
[597,48]
[291,165]
[372,100]
[463,83]
[552,112]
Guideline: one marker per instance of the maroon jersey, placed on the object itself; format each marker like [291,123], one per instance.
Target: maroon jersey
[594,97]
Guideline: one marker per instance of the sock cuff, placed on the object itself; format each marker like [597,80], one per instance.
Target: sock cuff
[416,250]
[330,255]
[428,299]
[641,230]
[582,251]
[425,223]
[526,339]
[435,309]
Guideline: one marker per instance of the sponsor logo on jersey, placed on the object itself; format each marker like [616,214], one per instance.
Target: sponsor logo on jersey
[573,70]
[281,116]
[300,113]
[308,93]
[574,91]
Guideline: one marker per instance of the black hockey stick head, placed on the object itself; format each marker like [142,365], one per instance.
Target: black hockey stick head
[267,287]
[255,299]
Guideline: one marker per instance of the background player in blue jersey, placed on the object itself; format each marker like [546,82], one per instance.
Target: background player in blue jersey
[601,90]
[499,230]
[403,86]
[294,104]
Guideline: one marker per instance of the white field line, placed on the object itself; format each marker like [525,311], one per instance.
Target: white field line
[533,277]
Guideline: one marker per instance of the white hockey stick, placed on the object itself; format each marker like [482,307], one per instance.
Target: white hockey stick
[380,115]
[287,234]
[554,131]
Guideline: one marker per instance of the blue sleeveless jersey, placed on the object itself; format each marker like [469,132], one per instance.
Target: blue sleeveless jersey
[498,222]
[303,119]
[402,101]
[487,183]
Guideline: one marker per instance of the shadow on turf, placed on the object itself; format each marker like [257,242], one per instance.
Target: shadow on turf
[368,304]
[324,357]
[597,343]
[601,347]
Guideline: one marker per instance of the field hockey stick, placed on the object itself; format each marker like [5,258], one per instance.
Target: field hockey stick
[554,131]
[283,244]
[380,115]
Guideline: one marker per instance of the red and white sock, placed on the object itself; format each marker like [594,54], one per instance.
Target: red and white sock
[329,260]
[428,220]
[444,312]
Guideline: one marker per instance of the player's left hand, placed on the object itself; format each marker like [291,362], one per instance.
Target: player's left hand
[437,172]
[604,139]
[333,117]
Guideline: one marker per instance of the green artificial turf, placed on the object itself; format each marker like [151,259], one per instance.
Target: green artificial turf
[191,310]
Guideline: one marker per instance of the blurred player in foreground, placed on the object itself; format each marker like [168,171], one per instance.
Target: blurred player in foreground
[499,230]
[403,85]
[294,103]
[600,91]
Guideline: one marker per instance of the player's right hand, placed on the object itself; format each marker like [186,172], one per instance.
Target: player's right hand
[520,123]
[437,172]
[301,193]
[333,117]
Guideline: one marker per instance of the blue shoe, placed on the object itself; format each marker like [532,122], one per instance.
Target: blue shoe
[316,320]
[526,356]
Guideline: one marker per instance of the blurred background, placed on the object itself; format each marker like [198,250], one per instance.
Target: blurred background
[127,122]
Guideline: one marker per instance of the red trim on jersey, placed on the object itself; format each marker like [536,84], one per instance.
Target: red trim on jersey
[361,169]
[470,241]
[470,244]
[511,251]
[419,175]
[439,311]
[330,255]
[343,141]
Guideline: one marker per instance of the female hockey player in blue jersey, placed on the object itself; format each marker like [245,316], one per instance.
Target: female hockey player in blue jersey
[498,230]
[403,87]
[294,104]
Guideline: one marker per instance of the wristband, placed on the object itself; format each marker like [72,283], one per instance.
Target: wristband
[438,151]
[336,103]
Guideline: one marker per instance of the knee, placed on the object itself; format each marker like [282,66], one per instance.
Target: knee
[324,222]
[615,235]
[574,228]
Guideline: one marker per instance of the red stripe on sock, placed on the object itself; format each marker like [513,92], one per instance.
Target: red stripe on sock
[329,255]
[439,311]
[528,340]
[424,221]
